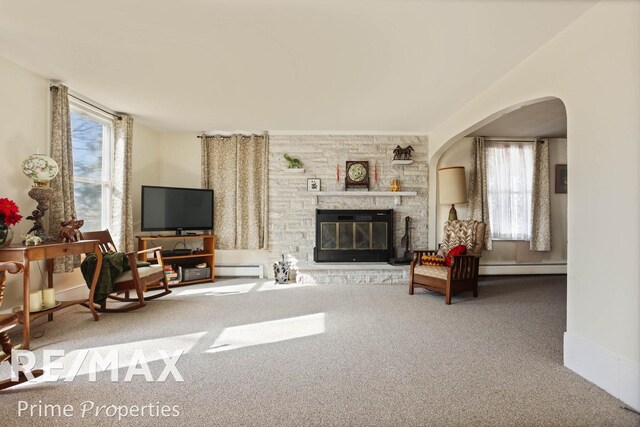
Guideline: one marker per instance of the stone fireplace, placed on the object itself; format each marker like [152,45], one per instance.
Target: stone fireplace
[354,235]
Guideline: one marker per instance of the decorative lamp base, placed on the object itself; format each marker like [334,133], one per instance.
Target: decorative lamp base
[453,215]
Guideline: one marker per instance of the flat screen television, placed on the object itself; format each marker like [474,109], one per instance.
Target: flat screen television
[176,209]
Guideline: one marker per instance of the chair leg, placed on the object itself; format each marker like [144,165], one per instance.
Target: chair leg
[448,294]
[5,343]
[7,348]
[411,287]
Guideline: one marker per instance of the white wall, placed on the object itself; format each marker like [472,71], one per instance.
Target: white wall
[513,252]
[147,170]
[593,66]
[24,106]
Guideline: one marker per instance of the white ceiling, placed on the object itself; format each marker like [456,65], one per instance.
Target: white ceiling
[194,65]
[544,119]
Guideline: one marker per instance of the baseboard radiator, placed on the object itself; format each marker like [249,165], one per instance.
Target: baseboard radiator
[239,270]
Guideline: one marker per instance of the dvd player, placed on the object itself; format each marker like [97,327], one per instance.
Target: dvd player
[176,252]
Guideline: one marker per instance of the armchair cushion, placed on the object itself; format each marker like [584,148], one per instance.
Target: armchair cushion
[457,250]
[142,272]
[439,272]
[432,260]
[469,233]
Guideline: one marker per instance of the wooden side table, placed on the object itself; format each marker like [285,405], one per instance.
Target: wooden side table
[26,254]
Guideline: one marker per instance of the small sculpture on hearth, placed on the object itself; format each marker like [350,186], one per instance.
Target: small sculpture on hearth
[69,230]
[402,153]
[281,271]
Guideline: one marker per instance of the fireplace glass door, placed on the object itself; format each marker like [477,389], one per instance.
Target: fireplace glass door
[353,235]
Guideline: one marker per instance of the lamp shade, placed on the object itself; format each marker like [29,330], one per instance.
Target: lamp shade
[452,185]
[40,168]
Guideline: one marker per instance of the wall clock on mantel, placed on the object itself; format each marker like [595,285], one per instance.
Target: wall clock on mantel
[357,176]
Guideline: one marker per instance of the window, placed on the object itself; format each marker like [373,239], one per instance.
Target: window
[92,137]
[509,182]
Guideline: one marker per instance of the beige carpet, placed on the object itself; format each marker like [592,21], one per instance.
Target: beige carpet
[360,355]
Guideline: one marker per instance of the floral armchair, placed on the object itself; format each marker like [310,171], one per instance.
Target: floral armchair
[462,274]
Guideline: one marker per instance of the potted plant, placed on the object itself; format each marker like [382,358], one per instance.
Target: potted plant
[9,216]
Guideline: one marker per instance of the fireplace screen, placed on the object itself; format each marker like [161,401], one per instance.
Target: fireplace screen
[353,235]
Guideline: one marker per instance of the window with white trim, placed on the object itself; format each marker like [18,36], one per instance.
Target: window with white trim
[509,183]
[92,138]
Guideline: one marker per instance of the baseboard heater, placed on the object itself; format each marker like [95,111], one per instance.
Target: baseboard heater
[239,270]
[522,269]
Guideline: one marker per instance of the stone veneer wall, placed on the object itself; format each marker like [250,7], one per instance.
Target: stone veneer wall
[291,209]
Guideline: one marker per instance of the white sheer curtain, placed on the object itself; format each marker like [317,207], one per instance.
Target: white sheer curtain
[509,183]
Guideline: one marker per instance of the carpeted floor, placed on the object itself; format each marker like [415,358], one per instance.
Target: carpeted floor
[358,355]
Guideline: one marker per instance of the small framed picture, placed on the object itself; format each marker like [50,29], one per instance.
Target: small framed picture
[561,179]
[313,184]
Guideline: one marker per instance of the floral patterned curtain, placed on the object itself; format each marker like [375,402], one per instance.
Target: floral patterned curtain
[236,168]
[540,199]
[121,210]
[62,206]
[478,203]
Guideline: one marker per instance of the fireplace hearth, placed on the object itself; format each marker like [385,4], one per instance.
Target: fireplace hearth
[353,235]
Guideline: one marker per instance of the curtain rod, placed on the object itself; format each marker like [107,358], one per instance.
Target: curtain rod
[512,139]
[84,101]
[203,135]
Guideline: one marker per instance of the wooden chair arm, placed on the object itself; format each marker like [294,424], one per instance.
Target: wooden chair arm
[157,248]
[464,266]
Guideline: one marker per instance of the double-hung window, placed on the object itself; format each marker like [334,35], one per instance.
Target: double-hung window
[509,183]
[92,137]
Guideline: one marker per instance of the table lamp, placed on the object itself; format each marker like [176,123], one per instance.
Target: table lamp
[452,188]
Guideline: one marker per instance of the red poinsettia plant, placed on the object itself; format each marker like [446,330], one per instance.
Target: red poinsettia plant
[9,212]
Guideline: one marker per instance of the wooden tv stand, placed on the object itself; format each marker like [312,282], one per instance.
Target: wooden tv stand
[207,255]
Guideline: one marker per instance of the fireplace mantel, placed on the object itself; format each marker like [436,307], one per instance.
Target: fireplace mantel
[397,195]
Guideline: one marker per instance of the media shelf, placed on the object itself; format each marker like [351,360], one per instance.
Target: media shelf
[207,255]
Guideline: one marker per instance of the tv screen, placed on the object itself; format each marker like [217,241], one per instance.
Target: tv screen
[170,208]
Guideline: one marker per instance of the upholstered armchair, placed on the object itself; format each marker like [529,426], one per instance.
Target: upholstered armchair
[462,274]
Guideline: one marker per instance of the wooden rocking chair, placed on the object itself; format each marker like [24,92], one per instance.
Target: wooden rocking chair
[137,279]
[8,321]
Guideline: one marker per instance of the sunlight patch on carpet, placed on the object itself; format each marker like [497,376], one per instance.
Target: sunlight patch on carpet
[269,332]
[149,348]
[242,288]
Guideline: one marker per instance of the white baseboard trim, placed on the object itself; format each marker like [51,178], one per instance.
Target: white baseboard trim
[515,269]
[617,377]
[239,270]
[76,292]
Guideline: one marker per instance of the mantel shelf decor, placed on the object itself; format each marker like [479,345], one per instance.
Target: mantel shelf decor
[397,195]
[401,162]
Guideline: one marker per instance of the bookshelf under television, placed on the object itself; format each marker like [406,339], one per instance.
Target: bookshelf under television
[184,260]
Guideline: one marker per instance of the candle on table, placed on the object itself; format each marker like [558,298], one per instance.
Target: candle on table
[49,297]
[35,301]
[337,173]
[375,173]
